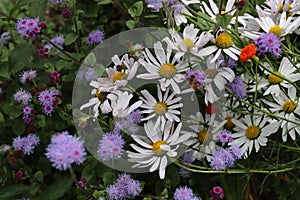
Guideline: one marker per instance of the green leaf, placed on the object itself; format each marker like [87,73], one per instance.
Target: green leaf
[39,176]
[34,188]
[56,189]
[223,20]
[4,70]
[204,21]
[22,3]
[11,110]
[41,122]
[90,59]
[88,173]
[38,9]
[130,24]
[136,9]
[7,192]
[20,56]
[62,64]
[1,118]
[109,178]
[18,127]
[70,38]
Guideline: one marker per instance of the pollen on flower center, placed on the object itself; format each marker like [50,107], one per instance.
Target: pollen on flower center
[224,41]
[289,106]
[101,95]
[160,108]
[229,124]
[156,147]
[203,136]
[118,76]
[211,73]
[167,70]
[189,43]
[276,30]
[252,132]
[275,79]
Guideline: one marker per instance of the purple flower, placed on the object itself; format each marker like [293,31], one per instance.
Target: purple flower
[237,87]
[224,137]
[26,144]
[217,162]
[27,76]
[59,40]
[123,188]
[184,193]
[136,116]
[268,43]
[236,151]
[230,62]
[96,37]
[65,150]
[156,5]
[188,158]
[48,100]
[196,79]
[23,96]
[29,27]
[54,2]
[225,158]
[111,146]
[87,75]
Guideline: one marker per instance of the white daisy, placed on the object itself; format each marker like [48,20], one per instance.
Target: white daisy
[252,132]
[273,8]
[213,10]
[189,42]
[156,147]
[118,76]
[120,104]
[99,101]
[163,109]
[203,135]
[163,68]
[222,43]
[274,83]
[286,107]
[219,77]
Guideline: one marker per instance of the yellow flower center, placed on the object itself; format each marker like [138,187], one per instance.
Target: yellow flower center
[167,70]
[189,43]
[273,79]
[276,30]
[224,41]
[101,95]
[289,106]
[160,108]
[156,147]
[118,76]
[229,124]
[203,136]
[223,12]
[211,73]
[252,132]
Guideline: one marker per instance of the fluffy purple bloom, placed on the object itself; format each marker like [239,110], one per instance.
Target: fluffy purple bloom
[184,193]
[26,144]
[65,150]
[95,38]
[225,158]
[217,162]
[59,40]
[136,116]
[87,75]
[27,76]
[195,78]
[238,88]
[48,100]
[124,187]
[236,151]
[29,27]
[224,137]
[188,158]
[155,5]
[268,43]
[129,123]
[23,96]
[111,146]
[230,62]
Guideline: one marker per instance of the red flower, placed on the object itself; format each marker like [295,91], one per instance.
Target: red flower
[248,52]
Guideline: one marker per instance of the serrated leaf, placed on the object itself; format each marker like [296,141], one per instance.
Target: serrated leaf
[56,189]
[88,173]
[11,110]
[62,64]
[223,20]
[70,38]
[136,9]
[39,176]
[109,178]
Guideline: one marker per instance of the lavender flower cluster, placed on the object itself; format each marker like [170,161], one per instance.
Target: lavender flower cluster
[96,37]
[26,144]
[187,158]
[125,187]
[29,27]
[184,193]
[238,88]
[28,75]
[195,78]
[65,150]
[268,43]
[223,157]
[23,96]
[48,100]
[156,5]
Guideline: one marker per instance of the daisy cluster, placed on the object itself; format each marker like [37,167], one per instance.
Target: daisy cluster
[245,86]
[64,150]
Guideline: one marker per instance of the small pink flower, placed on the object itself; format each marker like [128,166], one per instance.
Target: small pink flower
[19,174]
